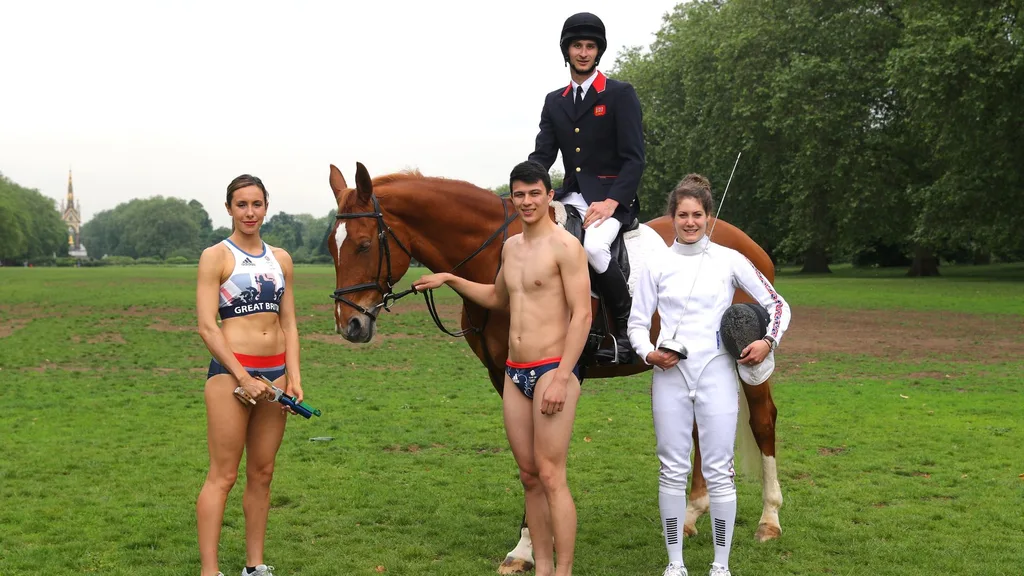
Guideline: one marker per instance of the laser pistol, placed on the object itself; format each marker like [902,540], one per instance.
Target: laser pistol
[300,408]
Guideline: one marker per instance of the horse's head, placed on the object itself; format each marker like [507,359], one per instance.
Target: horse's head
[368,257]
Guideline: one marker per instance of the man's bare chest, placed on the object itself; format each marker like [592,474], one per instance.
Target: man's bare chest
[532,271]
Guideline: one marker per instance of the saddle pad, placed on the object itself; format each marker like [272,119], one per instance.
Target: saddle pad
[642,245]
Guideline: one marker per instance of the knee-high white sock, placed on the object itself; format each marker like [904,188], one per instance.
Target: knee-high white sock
[723,519]
[673,516]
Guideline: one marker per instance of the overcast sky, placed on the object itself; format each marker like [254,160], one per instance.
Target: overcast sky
[177,98]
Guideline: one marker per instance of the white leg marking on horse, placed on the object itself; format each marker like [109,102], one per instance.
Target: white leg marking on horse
[337,314]
[339,237]
[771,491]
[695,508]
[524,549]
[520,559]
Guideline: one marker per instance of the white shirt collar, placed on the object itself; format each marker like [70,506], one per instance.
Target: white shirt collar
[690,249]
[586,84]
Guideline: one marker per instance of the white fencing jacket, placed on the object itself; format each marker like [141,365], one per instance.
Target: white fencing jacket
[664,285]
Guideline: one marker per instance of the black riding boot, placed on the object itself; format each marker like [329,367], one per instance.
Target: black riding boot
[615,293]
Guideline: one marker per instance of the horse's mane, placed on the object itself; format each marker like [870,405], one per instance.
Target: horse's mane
[416,175]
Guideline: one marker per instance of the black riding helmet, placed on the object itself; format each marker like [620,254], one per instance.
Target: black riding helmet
[583,25]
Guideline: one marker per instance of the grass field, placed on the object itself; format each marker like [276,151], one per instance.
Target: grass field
[901,443]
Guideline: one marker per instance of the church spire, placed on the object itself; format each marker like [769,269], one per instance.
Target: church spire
[71,214]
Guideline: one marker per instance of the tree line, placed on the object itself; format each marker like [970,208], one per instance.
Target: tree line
[148,230]
[873,132]
[30,226]
[165,228]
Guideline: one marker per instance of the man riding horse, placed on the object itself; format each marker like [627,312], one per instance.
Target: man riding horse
[595,122]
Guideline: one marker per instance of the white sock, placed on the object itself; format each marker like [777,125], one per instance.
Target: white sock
[723,520]
[673,516]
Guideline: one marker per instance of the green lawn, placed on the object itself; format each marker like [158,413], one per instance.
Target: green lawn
[886,467]
[996,289]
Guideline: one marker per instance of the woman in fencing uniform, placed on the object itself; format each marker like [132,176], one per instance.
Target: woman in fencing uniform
[691,288]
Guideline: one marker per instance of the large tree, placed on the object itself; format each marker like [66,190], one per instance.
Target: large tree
[30,226]
[148,227]
[284,231]
[800,89]
[319,234]
[959,68]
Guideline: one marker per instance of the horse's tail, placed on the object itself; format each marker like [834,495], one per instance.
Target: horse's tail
[747,452]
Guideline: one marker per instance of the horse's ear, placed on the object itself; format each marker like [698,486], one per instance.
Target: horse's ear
[364,185]
[337,182]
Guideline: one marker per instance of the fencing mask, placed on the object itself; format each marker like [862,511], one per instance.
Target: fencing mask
[741,325]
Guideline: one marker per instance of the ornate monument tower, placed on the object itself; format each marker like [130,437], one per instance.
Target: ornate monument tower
[71,214]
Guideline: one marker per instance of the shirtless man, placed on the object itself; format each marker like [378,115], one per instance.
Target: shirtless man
[545,285]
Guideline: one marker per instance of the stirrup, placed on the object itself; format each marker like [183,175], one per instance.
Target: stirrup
[611,356]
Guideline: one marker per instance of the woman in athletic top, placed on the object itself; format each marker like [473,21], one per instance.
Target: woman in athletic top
[249,285]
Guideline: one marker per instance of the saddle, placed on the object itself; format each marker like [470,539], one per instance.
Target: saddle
[574,226]
[601,327]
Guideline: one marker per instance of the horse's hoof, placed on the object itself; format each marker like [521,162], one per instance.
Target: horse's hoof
[689,530]
[766,532]
[515,566]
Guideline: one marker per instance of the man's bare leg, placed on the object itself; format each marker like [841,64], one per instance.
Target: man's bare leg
[518,415]
[550,449]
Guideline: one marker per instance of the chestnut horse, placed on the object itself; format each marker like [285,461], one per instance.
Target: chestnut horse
[450,225]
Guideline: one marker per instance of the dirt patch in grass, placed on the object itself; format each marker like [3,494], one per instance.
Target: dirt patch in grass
[163,325]
[377,339]
[26,311]
[102,338]
[107,338]
[330,339]
[53,366]
[891,334]
[916,377]
[35,311]
[410,449]
[143,311]
[448,312]
[366,366]
[902,334]
[19,309]
[390,337]
[8,327]
[408,305]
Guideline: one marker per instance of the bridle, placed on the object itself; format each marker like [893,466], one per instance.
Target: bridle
[388,297]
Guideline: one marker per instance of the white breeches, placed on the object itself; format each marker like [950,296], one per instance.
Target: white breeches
[597,240]
[715,407]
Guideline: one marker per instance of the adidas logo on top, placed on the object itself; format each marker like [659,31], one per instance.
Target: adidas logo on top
[247,262]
